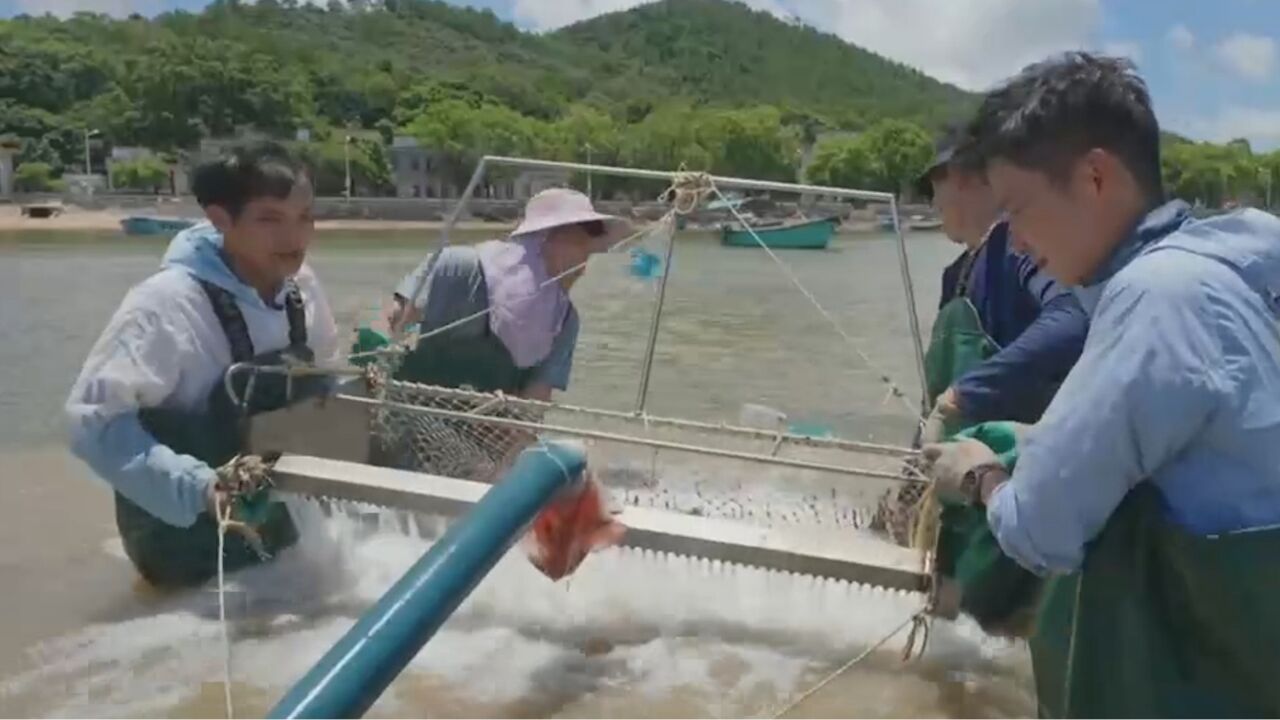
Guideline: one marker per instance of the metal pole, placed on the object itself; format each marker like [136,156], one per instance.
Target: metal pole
[351,676]
[346,151]
[87,171]
[462,202]
[589,172]
[646,369]
[444,233]
[719,180]
[912,317]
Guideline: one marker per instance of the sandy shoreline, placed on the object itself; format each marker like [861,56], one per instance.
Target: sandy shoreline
[78,219]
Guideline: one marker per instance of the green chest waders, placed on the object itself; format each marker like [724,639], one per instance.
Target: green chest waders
[994,590]
[1162,623]
[169,556]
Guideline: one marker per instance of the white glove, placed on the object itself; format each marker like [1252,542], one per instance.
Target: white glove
[948,464]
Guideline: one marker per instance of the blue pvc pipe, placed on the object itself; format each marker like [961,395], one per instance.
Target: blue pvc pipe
[360,666]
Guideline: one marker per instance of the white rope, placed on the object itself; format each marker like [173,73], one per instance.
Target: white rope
[845,668]
[223,520]
[853,343]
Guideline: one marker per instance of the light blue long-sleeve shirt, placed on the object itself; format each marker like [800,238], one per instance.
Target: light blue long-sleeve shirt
[1178,384]
[164,348]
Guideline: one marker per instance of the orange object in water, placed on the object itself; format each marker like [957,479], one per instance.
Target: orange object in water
[570,527]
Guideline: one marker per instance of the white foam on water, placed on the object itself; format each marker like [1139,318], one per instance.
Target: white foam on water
[630,628]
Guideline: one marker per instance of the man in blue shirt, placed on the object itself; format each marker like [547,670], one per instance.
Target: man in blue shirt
[1031,327]
[1150,489]
[1005,337]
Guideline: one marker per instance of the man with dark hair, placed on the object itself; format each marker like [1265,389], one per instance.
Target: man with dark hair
[1150,489]
[1005,337]
[149,412]
[1006,333]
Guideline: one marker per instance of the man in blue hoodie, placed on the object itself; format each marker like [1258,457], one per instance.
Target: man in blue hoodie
[1149,493]
[1006,334]
[149,412]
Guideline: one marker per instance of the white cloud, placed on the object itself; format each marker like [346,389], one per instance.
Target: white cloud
[1253,57]
[1131,50]
[1181,37]
[972,43]
[66,8]
[1261,126]
[552,14]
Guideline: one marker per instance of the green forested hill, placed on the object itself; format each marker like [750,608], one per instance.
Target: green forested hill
[277,65]
[724,52]
[710,84]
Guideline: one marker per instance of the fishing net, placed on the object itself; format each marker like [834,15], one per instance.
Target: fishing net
[763,471]
[762,476]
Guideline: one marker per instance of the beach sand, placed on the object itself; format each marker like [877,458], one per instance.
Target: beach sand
[74,218]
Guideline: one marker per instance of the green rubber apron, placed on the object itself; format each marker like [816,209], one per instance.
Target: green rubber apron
[169,556]
[1162,623]
[994,590]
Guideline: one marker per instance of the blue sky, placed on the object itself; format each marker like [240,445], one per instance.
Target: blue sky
[1213,65]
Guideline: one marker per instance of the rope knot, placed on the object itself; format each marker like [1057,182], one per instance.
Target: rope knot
[689,190]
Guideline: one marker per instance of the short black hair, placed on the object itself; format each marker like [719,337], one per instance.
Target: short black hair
[1058,109]
[247,172]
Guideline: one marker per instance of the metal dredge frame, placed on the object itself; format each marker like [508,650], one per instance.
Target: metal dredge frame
[486,403]
[724,182]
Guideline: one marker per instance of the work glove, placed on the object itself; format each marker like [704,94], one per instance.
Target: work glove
[949,464]
[239,498]
[946,412]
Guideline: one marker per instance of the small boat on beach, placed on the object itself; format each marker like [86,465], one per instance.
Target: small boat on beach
[152,225]
[42,210]
[795,235]
[924,222]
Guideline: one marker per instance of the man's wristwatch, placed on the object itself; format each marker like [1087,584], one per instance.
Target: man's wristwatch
[971,483]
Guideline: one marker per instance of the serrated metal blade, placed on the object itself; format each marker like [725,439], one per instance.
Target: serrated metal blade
[816,551]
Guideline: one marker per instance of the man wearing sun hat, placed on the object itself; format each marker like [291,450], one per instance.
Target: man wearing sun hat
[524,345]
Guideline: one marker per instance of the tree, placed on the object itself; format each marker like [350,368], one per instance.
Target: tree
[462,134]
[846,163]
[889,156]
[327,158]
[751,143]
[35,177]
[143,173]
[666,138]
[902,150]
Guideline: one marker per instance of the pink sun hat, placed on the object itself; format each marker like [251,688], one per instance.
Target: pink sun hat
[557,207]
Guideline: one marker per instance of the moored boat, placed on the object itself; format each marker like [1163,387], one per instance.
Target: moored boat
[805,234]
[152,225]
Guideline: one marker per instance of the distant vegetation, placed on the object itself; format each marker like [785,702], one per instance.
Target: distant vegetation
[709,84]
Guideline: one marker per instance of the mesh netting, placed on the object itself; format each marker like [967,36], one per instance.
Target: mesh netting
[439,443]
[752,475]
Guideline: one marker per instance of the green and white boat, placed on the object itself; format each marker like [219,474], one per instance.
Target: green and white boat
[796,235]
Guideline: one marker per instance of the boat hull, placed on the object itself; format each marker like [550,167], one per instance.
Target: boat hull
[142,225]
[812,235]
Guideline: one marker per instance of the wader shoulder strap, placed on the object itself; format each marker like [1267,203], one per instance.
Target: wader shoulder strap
[236,329]
[966,272]
[296,313]
[231,320]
